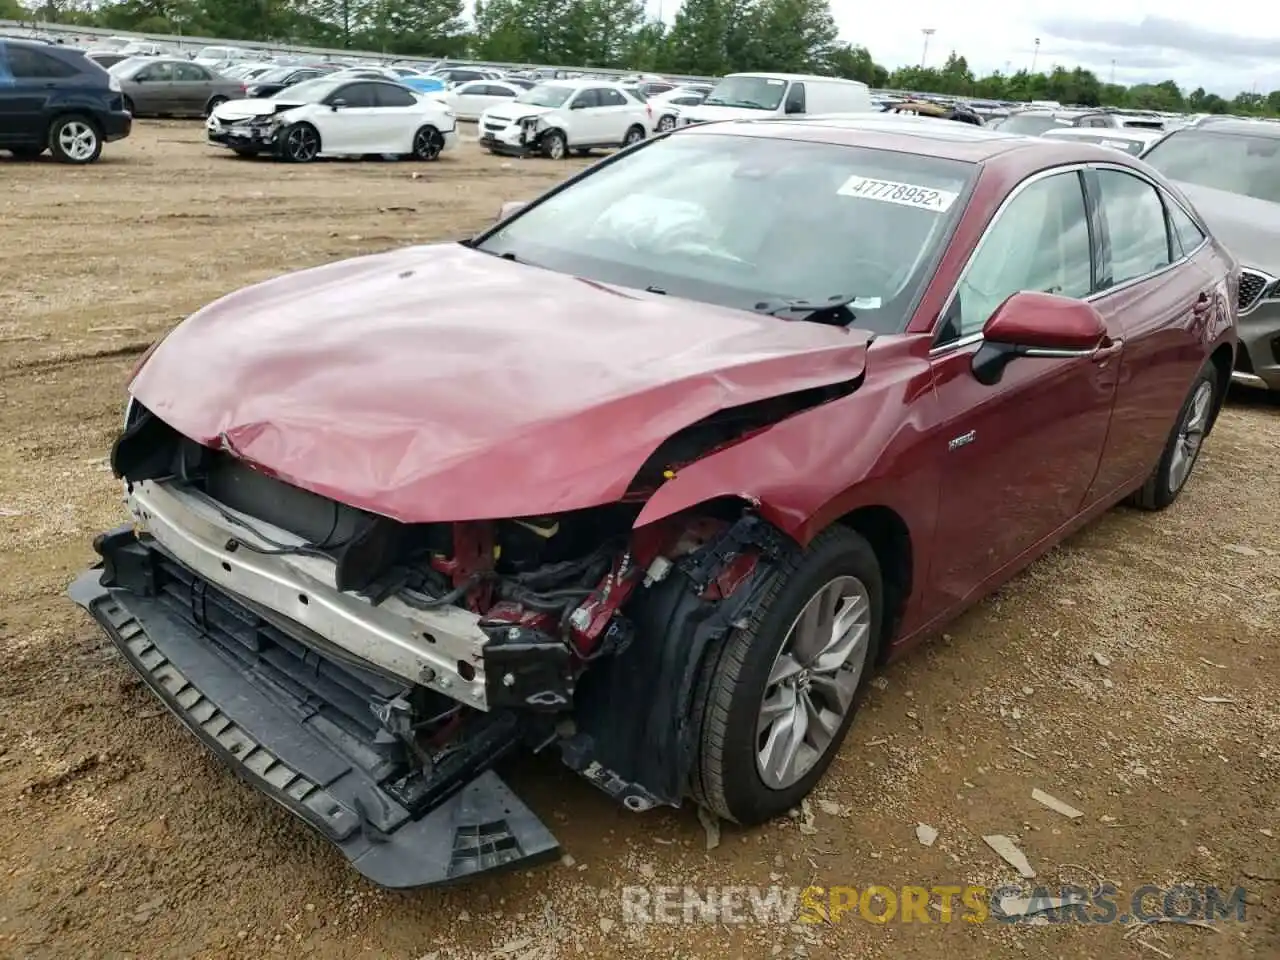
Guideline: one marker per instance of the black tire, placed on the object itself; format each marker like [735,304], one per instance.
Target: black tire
[634,135]
[666,123]
[213,104]
[428,142]
[734,674]
[554,145]
[1164,484]
[26,153]
[75,139]
[299,143]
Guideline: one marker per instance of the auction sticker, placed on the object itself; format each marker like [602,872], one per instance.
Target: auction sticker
[903,194]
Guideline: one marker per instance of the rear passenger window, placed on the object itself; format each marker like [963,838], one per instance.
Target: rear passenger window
[612,98]
[1136,225]
[28,64]
[1188,235]
[390,95]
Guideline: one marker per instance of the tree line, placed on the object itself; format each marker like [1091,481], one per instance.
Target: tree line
[706,38]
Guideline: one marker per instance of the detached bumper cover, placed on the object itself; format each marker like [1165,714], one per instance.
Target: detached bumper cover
[283,739]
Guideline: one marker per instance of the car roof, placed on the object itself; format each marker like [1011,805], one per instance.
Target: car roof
[1251,128]
[925,136]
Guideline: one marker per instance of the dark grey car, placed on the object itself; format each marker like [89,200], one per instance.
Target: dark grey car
[172,86]
[1230,170]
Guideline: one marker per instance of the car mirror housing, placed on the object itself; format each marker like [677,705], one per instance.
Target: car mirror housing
[1043,325]
[337,104]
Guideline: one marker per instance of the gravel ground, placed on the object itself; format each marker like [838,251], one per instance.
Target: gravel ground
[1085,678]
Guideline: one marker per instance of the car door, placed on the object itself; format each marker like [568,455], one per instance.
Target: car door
[1160,298]
[1019,455]
[618,113]
[398,114]
[585,125]
[28,79]
[346,121]
[192,88]
[152,90]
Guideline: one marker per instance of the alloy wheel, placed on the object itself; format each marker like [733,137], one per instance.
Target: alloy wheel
[302,144]
[78,140]
[1190,436]
[813,680]
[427,144]
[666,123]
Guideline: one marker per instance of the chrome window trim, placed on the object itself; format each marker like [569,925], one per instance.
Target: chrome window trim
[1076,168]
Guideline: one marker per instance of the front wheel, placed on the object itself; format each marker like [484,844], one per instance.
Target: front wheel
[554,145]
[74,140]
[1183,446]
[776,697]
[666,124]
[634,135]
[300,143]
[428,142]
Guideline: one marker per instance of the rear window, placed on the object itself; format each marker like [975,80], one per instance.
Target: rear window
[750,222]
[1031,126]
[1234,162]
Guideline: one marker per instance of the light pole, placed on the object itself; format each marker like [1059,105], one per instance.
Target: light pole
[924,54]
[1035,55]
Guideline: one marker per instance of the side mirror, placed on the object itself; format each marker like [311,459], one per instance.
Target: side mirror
[337,104]
[510,209]
[578,105]
[1042,325]
[140,78]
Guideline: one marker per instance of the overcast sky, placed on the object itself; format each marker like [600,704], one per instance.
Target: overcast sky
[1189,41]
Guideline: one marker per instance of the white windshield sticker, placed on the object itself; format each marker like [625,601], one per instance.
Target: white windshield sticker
[905,194]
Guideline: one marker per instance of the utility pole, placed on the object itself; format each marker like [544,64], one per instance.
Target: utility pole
[1035,55]
[924,54]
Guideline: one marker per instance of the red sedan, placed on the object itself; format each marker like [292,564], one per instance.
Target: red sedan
[652,473]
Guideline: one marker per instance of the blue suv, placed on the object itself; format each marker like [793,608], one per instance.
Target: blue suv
[57,99]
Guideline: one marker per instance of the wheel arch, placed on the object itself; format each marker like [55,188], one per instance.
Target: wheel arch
[70,112]
[1223,359]
[890,539]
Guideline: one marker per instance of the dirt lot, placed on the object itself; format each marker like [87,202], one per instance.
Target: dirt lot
[1086,678]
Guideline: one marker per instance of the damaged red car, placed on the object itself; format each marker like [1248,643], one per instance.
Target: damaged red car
[650,475]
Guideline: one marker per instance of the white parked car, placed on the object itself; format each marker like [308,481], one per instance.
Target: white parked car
[474,97]
[554,118]
[1132,140]
[664,108]
[336,116]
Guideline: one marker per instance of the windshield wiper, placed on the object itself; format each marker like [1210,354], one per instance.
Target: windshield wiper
[836,307]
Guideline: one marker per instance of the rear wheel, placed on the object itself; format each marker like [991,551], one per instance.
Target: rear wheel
[776,697]
[634,135]
[428,142]
[300,143]
[1183,446]
[666,124]
[74,139]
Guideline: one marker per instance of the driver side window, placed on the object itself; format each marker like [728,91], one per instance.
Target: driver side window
[795,99]
[1040,242]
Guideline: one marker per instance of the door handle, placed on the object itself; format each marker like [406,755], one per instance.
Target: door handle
[1109,349]
[1202,304]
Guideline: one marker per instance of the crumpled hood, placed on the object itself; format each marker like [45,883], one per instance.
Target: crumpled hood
[1247,226]
[440,383]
